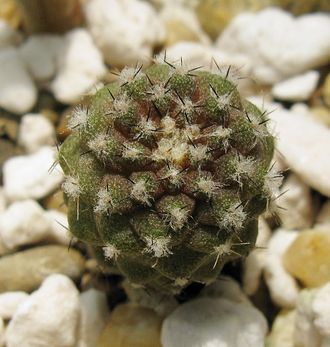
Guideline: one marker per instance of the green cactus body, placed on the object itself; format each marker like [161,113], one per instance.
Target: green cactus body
[167,171]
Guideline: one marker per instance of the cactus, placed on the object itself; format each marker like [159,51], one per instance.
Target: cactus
[167,171]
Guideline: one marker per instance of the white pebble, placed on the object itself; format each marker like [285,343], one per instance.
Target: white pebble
[225,288]
[297,88]
[31,176]
[283,287]
[49,317]
[35,131]
[58,231]
[18,93]
[126,31]
[321,310]
[305,331]
[274,45]
[9,302]
[254,263]
[207,322]
[80,67]
[305,146]
[296,205]
[94,316]
[23,223]
[8,36]
[39,53]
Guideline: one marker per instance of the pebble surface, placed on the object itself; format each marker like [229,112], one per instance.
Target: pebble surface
[208,322]
[143,325]
[25,271]
[31,176]
[36,322]
[308,257]
[15,83]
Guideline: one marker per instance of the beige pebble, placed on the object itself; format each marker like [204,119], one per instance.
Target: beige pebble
[308,257]
[25,271]
[282,331]
[132,326]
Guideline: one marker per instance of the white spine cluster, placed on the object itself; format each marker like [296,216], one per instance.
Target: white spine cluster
[198,153]
[233,218]
[168,125]
[222,250]
[131,152]
[104,201]
[158,247]
[158,91]
[78,118]
[207,186]
[140,192]
[146,127]
[129,74]
[121,104]
[224,134]
[99,145]
[245,166]
[177,217]
[111,252]
[71,187]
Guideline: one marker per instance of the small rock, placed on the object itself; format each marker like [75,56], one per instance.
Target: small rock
[49,317]
[215,15]
[9,302]
[18,93]
[305,145]
[282,330]
[3,249]
[10,13]
[8,150]
[31,176]
[312,327]
[55,201]
[296,204]
[254,263]
[23,223]
[126,31]
[39,53]
[8,36]
[35,131]
[182,25]
[321,114]
[283,288]
[308,257]
[132,326]
[269,55]
[207,322]
[297,88]
[326,90]
[3,200]
[225,288]
[24,271]
[300,7]
[94,316]
[2,332]
[80,67]
[58,228]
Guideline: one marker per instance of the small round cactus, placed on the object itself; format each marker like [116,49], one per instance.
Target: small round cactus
[167,171]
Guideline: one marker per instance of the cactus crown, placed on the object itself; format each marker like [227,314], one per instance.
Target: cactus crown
[167,171]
